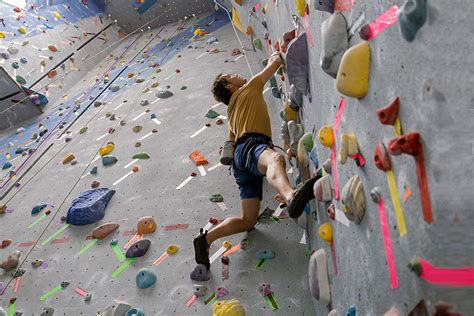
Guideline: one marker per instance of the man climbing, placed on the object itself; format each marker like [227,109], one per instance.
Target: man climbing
[254,156]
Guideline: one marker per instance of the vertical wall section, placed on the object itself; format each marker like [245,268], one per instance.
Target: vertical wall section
[432,77]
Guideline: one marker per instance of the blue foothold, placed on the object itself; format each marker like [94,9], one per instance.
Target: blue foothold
[94,170]
[38,207]
[265,254]
[351,311]
[145,278]
[135,312]
[7,165]
[109,160]
[411,16]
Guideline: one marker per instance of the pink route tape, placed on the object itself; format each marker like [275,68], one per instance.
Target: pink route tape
[308,31]
[382,22]
[334,264]
[458,277]
[387,245]
[343,5]
[340,111]
[191,301]
[80,291]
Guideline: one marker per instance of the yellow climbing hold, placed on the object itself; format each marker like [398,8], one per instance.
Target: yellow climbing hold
[288,113]
[227,308]
[325,232]
[172,249]
[68,158]
[300,6]
[107,149]
[56,14]
[236,21]
[226,244]
[22,30]
[302,154]
[2,35]
[325,136]
[353,75]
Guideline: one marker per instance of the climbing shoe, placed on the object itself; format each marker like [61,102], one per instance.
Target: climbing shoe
[302,196]
[201,249]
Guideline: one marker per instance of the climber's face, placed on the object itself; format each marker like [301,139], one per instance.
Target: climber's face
[234,82]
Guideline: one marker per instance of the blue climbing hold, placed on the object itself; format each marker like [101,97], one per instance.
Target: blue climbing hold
[351,311]
[94,170]
[89,207]
[7,165]
[20,130]
[145,278]
[265,254]
[411,16]
[38,207]
[313,156]
[135,312]
[109,160]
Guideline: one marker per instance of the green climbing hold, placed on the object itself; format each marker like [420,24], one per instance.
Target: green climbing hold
[216,198]
[20,79]
[83,130]
[257,43]
[155,85]
[142,155]
[307,140]
[211,114]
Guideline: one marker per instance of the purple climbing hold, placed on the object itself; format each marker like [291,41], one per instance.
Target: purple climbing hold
[221,292]
[138,249]
[200,274]
[265,289]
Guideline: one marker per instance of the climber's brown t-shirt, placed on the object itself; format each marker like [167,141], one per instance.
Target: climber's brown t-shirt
[247,111]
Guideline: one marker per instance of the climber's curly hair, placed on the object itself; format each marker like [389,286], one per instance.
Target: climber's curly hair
[219,90]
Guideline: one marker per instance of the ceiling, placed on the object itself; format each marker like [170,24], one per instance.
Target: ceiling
[159,12]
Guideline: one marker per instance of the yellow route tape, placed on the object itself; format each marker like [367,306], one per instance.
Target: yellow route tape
[397,207]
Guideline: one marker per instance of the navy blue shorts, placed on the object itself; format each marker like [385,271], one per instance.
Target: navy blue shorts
[245,166]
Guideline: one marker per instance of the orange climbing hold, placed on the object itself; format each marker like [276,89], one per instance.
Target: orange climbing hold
[53,73]
[197,158]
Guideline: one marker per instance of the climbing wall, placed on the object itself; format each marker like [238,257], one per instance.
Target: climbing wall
[430,75]
[145,111]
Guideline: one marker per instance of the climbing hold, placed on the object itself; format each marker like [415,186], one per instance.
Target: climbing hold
[375,194]
[20,79]
[114,88]
[88,297]
[37,263]
[324,5]
[347,148]
[23,60]
[318,276]
[94,170]
[211,114]
[351,311]
[138,249]
[335,42]
[325,232]
[323,189]
[5,243]
[200,274]
[164,94]
[135,312]
[389,114]
[216,198]
[265,254]
[172,249]
[138,143]
[135,168]
[257,43]
[109,160]
[381,158]
[104,230]
[47,311]
[137,128]
[326,136]
[183,87]
[200,290]
[353,199]
[295,131]
[153,116]
[38,208]
[15,65]
[97,104]
[307,140]
[140,80]
[411,16]
[22,30]
[107,149]
[112,117]
[68,158]
[122,123]
[265,289]
[296,99]
[53,73]
[89,207]
[65,284]
[52,48]
[114,242]
[297,63]
[228,308]
[353,75]
[146,225]
[83,130]
[211,40]
[118,308]
[144,102]
[235,52]
[300,7]
[56,14]
[11,262]
[142,155]
[198,158]
[2,35]
[3,209]
[7,165]
[221,292]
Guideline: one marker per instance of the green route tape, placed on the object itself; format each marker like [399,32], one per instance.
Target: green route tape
[210,298]
[39,219]
[87,246]
[11,309]
[59,231]
[272,301]
[260,263]
[50,292]
[124,266]
[118,253]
